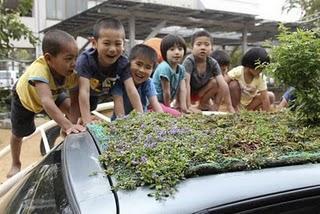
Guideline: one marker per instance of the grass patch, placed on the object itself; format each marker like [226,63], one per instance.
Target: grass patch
[159,151]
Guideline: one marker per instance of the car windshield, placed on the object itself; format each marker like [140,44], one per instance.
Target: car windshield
[43,191]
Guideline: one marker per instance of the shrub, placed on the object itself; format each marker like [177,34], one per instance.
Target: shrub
[296,62]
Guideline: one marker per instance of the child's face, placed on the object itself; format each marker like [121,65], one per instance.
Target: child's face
[202,47]
[110,46]
[224,69]
[141,69]
[64,62]
[175,54]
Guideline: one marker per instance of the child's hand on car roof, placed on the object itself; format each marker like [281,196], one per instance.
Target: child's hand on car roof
[75,128]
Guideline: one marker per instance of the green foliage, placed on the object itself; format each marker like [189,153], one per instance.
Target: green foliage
[12,28]
[24,7]
[236,55]
[296,63]
[4,100]
[309,7]
[310,10]
[159,151]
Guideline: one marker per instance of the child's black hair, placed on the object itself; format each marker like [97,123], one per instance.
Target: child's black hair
[254,57]
[200,34]
[222,57]
[169,41]
[54,41]
[144,51]
[107,23]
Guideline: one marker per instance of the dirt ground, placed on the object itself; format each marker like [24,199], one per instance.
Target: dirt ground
[30,151]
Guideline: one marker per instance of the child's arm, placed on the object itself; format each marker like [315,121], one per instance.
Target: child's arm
[165,84]
[225,92]
[283,104]
[118,106]
[75,112]
[265,100]
[183,96]
[155,104]
[188,90]
[53,111]
[227,79]
[84,99]
[133,95]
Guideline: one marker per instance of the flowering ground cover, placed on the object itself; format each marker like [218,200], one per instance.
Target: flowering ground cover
[159,151]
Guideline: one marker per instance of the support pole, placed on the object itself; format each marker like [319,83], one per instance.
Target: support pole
[156,30]
[245,39]
[132,31]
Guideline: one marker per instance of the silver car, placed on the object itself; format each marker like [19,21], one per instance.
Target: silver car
[70,179]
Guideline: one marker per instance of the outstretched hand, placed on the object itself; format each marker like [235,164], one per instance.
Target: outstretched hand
[75,128]
[93,119]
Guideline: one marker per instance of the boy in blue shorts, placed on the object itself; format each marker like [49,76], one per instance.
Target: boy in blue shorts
[288,99]
[142,61]
[99,68]
[42,87]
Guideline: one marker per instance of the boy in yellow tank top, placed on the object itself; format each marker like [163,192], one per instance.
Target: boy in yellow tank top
[42,87]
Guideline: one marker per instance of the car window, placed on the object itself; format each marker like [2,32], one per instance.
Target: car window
[302,206]
[298,202]
[43,191]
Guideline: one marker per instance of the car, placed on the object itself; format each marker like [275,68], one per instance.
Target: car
[70,179]
[8,78]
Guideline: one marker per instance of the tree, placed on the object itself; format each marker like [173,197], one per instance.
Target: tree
[11,26]
[310,8]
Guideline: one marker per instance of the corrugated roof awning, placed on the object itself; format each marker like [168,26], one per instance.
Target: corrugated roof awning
[149,16]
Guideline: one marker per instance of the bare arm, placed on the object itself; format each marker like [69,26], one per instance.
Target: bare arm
[183,96]
[265,100]
[283,104]
[118,106]
[74,114]
[225,93]
[133,95]
[84,99]
[155,104]
[165,84]
[188,90]
[53,111]
[227,78]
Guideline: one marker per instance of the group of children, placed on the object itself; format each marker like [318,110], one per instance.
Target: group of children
[67,86]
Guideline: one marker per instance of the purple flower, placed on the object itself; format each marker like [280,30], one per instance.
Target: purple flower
[143,159]
[176,130]
[150,142]
[161,133]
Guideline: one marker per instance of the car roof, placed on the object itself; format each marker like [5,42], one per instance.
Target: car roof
[93,193]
